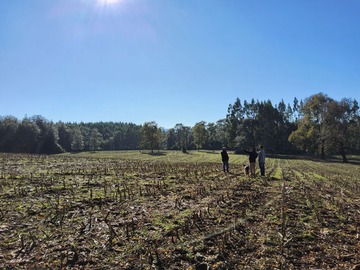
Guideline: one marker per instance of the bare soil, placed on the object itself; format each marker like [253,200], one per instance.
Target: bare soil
[90,213]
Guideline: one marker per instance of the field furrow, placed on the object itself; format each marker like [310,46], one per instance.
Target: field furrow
[96,212]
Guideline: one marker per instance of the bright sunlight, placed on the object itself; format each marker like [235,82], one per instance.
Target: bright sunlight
[110,5]
[109,2]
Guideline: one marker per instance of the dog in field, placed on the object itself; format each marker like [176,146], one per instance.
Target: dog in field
[246,170]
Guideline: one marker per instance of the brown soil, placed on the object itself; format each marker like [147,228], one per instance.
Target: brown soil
[73,213]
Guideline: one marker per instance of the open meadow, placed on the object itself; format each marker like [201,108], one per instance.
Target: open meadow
[169,210]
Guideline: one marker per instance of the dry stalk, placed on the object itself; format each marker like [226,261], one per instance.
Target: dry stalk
[283,234]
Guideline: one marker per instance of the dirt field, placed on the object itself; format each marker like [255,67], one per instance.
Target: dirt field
[72,212]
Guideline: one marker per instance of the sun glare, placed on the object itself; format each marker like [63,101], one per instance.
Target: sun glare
[107,5]
[109,2]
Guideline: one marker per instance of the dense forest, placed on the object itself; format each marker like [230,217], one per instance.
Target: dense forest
[319,125]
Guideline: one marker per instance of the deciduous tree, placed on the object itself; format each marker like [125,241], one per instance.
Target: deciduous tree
[77,140]
[200,134]
[150,136]
[340,123]
[312,127]
[95,139]
[182,136]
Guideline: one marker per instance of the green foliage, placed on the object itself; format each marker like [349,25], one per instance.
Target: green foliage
[95,139]
[183,136]
[327,126]
[150,136]
[320,126]
[8,130]
[78,141]
[200,134]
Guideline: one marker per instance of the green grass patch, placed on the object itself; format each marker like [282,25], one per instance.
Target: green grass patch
[171,156]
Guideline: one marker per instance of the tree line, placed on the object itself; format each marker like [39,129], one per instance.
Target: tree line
[319,125]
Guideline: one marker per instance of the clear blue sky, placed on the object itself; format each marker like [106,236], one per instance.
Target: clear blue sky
[172,61]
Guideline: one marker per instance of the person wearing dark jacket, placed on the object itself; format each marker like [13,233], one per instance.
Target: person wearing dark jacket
[252,159]
[225,160]
[262,160]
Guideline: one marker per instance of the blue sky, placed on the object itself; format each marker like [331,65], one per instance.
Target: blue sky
[172,61]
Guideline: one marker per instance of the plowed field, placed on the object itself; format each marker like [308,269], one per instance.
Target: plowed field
[71,212]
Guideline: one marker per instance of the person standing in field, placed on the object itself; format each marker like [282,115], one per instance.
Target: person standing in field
[252,159]
[225,159]
[262,160]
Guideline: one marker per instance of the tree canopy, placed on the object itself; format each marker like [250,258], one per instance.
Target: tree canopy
[319,125]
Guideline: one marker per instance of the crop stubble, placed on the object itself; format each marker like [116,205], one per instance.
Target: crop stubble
[63,212]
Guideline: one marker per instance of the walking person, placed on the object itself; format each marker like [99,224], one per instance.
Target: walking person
[225,159]
[252,159]
[262,160]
